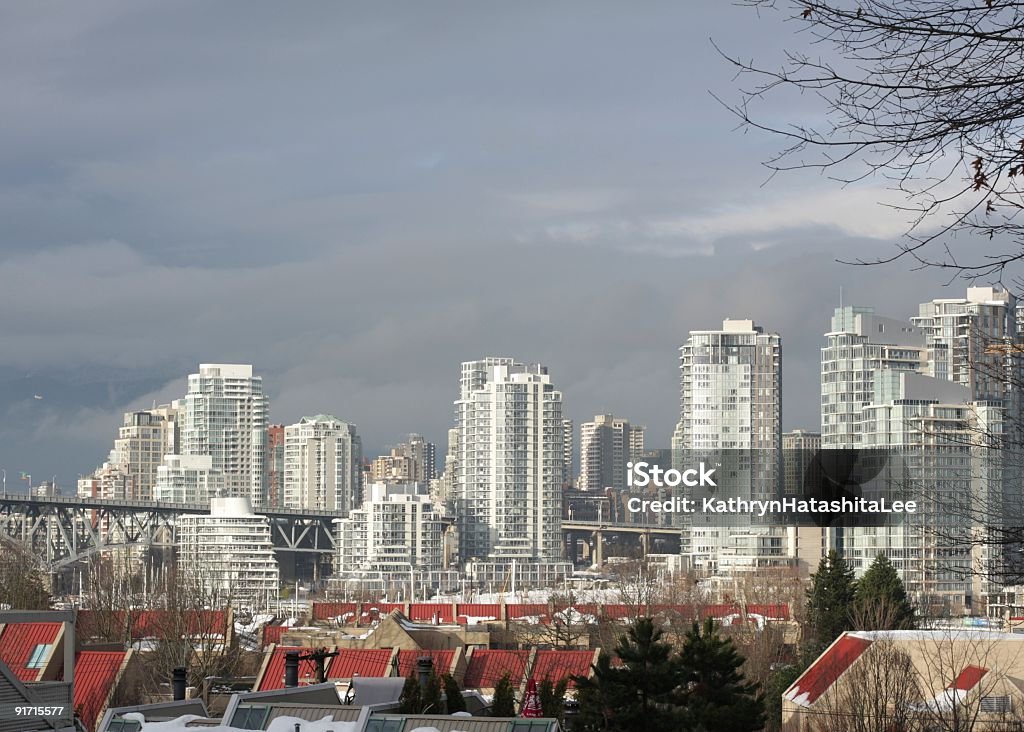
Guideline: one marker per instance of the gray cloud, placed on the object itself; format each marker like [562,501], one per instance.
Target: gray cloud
[357,199]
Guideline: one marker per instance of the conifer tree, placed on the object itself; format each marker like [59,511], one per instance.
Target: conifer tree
[411,699]
[829,602]
[714,693]
[881,598]
[504,704]
[453,694]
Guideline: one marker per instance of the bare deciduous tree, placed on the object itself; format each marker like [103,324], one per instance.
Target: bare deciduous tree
[927,95]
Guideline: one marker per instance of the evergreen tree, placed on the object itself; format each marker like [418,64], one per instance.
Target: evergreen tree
[504,704]
[640,694]
[431,696]
[411,700]
[552,697]
[778,681]
[453,694]
[881,599]
[714,692]
[829,602]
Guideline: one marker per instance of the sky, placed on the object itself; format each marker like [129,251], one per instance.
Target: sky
[355,198]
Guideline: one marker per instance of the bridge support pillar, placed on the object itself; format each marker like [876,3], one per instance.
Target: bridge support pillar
[598,555]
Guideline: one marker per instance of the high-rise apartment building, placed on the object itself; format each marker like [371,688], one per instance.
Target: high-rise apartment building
[568,450]
[413,461]
[188,479]
[229,553]
[143,439]
[510,462]
[973,341]
[225,415]
[859,344]
[396,530]
[731,404]
[275,465]
[323,464]
[606,445]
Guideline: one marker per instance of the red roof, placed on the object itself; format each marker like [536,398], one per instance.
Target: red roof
[442,661]
[95,675]
[527,610]
[486,667]
[778,611]
[328,610]
[273,633]
[618,612]
[273,676]
[968,678]
[18,642]
[426,612]
[718,611]
[372,662]
[830,665]
[372,609]
[152,623]
[478,610]
[558,665]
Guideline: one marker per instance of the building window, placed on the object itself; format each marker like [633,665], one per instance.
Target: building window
[39,655]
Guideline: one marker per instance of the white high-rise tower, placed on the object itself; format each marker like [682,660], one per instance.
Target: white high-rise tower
[510,463]
[323,465]
[225,415]
[731,404]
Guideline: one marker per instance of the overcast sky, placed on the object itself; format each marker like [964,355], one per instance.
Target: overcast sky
[357,197]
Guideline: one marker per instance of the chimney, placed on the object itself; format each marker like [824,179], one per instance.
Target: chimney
[178,682]
[424,667]
[291,669]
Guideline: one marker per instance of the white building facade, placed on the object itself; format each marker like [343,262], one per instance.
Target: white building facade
[396,530]
[323,459]
[225,415]
[510,464]
[188,479]
[229,552]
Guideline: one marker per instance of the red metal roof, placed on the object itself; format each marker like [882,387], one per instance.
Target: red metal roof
[478,610]
[830,665]
[968,678]
[527,610]
[95,675]
[329,610]
[19,640]
[426,612]
[618,612]
[486,667]
[373,609]
[273,633]
[152,623]
[558,665]
[777,611]
[372,662]
[442,661]
[273,676]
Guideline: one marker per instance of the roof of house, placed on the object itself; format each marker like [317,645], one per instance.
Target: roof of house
[486,667]
[558,665]
[420,612]
[442,661]
[328,610]
[273,633]
[153,623]
[96,673]
[19,642]
[374,662]
[478,610]
[968,678]
[828,667]
[273,672]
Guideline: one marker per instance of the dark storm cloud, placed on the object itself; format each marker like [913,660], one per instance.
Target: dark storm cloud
[355,199]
